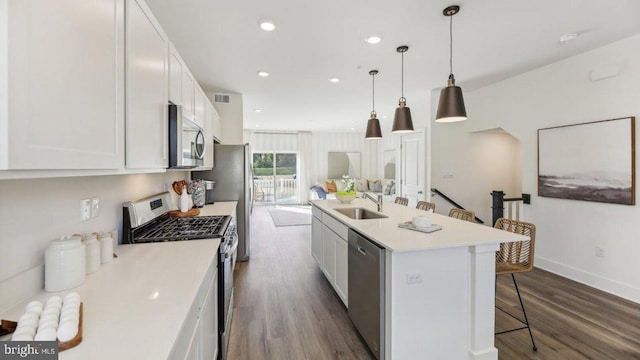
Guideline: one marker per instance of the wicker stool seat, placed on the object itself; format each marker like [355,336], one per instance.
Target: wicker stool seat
[516,257]
[426,206]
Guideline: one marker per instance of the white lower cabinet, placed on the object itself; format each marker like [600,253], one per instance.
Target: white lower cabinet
[342,269]
[329,247]
[316,240]
[198,338]
[329,239]
[209,323]
[193,352]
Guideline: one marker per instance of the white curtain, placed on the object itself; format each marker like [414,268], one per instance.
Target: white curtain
[304,165]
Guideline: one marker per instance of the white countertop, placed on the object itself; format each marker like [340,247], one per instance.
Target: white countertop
[135,305]
[387,234]
[219,208]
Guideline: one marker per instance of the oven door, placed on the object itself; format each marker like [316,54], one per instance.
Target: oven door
[228,251]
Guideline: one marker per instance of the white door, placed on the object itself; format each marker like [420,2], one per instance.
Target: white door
[413,167]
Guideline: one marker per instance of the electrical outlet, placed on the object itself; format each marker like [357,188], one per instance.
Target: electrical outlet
[599,252]
[414,278]
[85,209]
[95,207]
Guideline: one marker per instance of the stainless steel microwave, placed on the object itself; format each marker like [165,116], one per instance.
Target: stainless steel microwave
[186,139]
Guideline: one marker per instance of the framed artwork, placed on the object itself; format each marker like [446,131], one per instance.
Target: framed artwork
[592,161]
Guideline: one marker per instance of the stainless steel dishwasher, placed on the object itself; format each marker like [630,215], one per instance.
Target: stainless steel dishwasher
[367,291]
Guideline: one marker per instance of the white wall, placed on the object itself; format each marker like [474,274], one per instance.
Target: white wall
[558,94]
[231,117]
[34,212]
[482,161]
[323,142]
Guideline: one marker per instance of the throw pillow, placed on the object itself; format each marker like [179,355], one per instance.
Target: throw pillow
[362,186]
[331,187]
[339,185]
[393,189]
[320,191]
[375,186]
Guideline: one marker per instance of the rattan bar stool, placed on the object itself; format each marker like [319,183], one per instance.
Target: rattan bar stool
[425,205]
[516,257]
[462,214]
[402,201]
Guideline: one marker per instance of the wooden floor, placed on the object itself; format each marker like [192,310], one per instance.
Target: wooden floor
[286,309]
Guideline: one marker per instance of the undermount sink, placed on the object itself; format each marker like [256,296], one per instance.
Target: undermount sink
[360,213]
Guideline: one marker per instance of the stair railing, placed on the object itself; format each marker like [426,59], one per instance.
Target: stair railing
[452,202]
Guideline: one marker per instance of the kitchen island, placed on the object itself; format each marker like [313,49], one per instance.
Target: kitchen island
[439,287]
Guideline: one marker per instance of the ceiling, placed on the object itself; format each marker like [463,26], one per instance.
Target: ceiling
[224,47]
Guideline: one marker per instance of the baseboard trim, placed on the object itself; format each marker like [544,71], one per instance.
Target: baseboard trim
[599,282]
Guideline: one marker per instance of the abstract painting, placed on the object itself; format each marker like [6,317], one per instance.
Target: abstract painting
[592,161]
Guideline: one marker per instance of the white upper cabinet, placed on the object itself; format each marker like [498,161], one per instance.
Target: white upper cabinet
[200,108]
[146,88]
[176,68]
[188,88]
[61,84]
[217,126]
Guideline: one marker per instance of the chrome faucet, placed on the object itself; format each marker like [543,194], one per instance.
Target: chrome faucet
[379,202]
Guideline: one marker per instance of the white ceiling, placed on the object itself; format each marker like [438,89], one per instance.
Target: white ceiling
[315,40]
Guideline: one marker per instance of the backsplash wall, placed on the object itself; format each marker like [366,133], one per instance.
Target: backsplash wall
[33,212]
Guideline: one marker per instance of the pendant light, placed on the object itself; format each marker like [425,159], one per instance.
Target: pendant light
[402,119]
[451,104]
[373,125]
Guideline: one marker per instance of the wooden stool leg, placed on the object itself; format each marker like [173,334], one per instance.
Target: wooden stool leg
[526,320]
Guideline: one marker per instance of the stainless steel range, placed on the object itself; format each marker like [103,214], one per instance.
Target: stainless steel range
[147,220]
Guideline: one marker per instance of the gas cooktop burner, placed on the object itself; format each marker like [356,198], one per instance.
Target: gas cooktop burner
[173,229]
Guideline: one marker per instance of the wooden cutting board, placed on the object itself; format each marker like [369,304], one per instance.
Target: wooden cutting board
[178,213]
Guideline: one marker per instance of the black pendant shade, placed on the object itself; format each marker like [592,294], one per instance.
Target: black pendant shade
[373,129]
[451,105]
[402,119]
[373,125]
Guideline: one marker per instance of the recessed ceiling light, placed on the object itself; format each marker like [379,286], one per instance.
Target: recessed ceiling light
[352,129]
[334,80]
[384,116]
[257,125]
[258,110]
[267,25]
[263,73]
[374,39]
[567,38]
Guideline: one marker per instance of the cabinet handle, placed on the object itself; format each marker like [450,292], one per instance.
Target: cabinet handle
[361,250]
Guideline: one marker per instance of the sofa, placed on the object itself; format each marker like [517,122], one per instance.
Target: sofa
[327,188]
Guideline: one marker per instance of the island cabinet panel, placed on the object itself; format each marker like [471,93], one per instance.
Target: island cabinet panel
[329,249]
[61,84]
[342,269]
[316,240]
[329,239]
[147,89]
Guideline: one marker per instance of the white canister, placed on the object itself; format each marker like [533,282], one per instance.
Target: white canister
[106,247]
[92,247]
[64,264]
